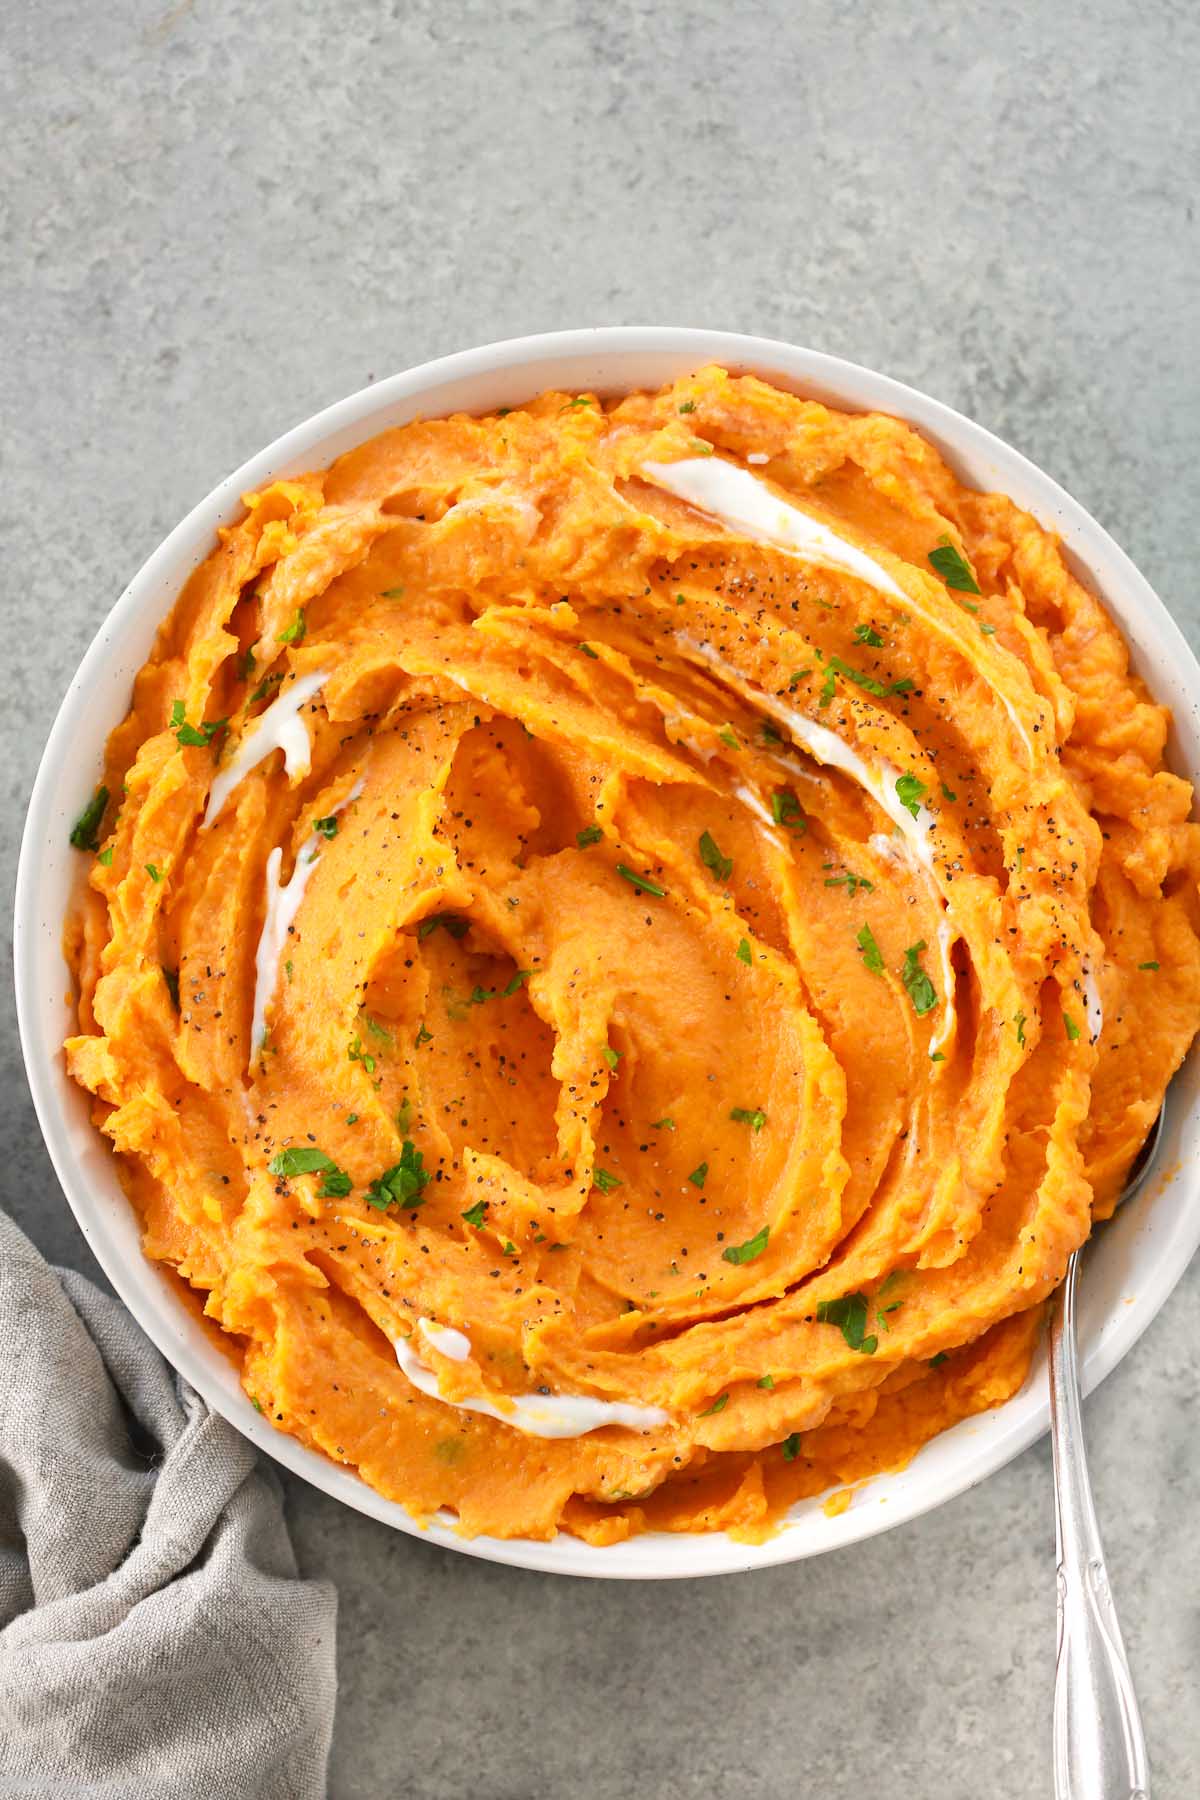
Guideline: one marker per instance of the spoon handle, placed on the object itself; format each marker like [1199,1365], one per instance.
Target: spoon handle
[1099,1749]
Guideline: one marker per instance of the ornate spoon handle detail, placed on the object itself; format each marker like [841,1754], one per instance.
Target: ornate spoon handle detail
[1099,1750]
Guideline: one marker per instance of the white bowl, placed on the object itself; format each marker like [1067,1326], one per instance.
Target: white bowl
[1137,1259]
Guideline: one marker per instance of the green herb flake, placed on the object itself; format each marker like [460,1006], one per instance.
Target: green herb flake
[357,1054]
[171,977]
[867,634]
[105,860]
[702,447]
[264,687]
[726,735]
[743,953]
[196,737]
[393,593]
[1073,1030]
[910,791]
[797,676]
[850,1315]
[642,882]
[917,984]
[476,1214]
[605,1180]
[154,872]
[791,1446]
[588,651]
[766,1381]
[699,1175]
[246,665]
[851,882]
[423,1037]
[403,1184]
[711,857]
[953,567]
[872,958]
[1019,1022]
[296,632]
[717,1406]
[612,1057]
[785,810]
[1146,965]
[326,828]
[591,834]
[688,406]
[935,1362]
[948,794]
[987,630]
[84,832]
[744,1253]
[937,1056]
[447,921]
[301,1159]
[663,1124]
[335,1185]
[753,1116]
[256,1403]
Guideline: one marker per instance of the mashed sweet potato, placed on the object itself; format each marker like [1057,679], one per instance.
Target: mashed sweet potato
[628,945]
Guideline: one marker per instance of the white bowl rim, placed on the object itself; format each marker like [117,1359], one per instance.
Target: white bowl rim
[626,358]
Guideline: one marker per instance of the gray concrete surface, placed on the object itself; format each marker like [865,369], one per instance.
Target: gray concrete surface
[219,217]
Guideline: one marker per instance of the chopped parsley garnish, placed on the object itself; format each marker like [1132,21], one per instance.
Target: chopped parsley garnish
[326,828]
[295,632]
[396,593]
[871,955]
[335,1185]
[850,882]
[246,665]
[727,737]
[850,1315]
[663,1124]
[642,882]
[577,405]
[917,984]
[688,406]
[766,1381]
[753,1116]
[448,921]
[699,1175]
[423,1037]
[1019,1022]
[711,857]
[194,736]
[154,872]
[612,1057]
[797,676]
[404,1113]
[476,1214]
[717,1406]
[605,1180]
[588,651]
[105,860]
[791,1446]
[702,446]
[301,1159]
[479,994]
[953,567]
[403,1184]
[264,687]
[1145,965]
[744,1253]
[377,1029]
[356,1053]
[785,810]
[1073,1030]
[770,734]
[828,687]
[743,952]
[937,1056]
[171,977]
[591,834]
[85,830]
[948,793]
[910,791]
[867,634]
[935,1362]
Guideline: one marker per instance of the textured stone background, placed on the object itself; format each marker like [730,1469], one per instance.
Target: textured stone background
[219,217]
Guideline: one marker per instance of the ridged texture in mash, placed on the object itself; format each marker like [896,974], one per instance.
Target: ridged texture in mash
[685,1126]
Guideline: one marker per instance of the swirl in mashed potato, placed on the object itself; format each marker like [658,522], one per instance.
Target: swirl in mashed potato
[628,946]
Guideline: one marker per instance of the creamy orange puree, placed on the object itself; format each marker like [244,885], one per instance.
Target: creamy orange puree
[711,966]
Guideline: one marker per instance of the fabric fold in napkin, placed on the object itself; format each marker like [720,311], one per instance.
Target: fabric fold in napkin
[155,1637]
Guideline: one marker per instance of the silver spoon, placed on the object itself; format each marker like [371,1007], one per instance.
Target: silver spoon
[1099,1747]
